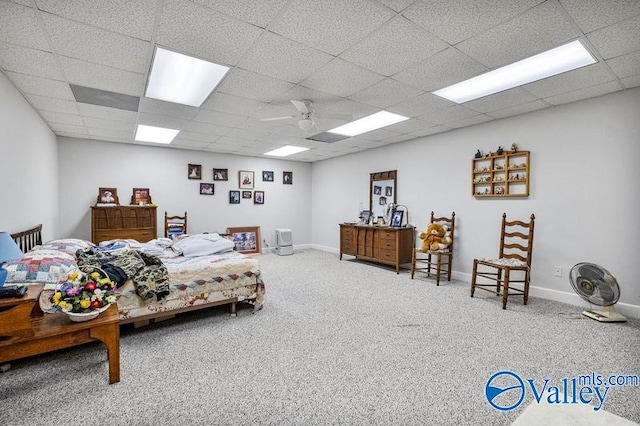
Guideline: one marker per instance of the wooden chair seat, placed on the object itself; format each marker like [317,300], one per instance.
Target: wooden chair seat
[175,225]
[436,261]
[513,257]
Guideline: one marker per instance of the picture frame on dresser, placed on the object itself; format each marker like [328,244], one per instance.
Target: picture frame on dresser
[107,197]
[140,197]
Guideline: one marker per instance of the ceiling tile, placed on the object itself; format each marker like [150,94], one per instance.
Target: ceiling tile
[72,134]
[455,21]
[347,106]
[96,45]
[387,92]
[189,143]
[396,45]
[219,118]
[441,70]
[630,82]
[111,134]
[330,25]
[198,137]
[589,92]
[519,109]
[501,100]
[133,18]
[61,118]
[283,59]
[258,13]
[248,84]
[29,61]
[580,78]
[625,65]
[430,131]
[420,105]
[165,121]
[41,86]
[617,39]
[101,77]
[448,115]
[68,128]
[52,104]
[155,106]
[200,127]
[231,104]
[471,121]
[409,126]
[396,5]
[204,33]
[341,78]
[29,3]
[540,28]
[99,123]
[591,15]
[97,111]
[19,25]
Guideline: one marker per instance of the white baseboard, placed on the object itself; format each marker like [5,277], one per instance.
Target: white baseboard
[295,247]
[325,248]
[561,296]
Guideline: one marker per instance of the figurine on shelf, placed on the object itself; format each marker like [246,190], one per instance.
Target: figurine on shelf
[514,147]
[500,150]
[478,154]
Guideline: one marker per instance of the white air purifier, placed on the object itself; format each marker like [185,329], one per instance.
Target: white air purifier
[284,241]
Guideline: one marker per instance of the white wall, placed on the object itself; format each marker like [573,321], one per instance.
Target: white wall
[28,166]
[585,169]
[86,165]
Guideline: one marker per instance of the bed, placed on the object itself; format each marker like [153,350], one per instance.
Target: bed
[194,283]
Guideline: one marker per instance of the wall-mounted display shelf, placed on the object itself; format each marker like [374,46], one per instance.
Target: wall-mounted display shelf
[501,175]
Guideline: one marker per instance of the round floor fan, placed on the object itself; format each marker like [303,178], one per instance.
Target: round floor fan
[598,287]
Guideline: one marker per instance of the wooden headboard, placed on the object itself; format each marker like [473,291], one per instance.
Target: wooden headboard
[28,239]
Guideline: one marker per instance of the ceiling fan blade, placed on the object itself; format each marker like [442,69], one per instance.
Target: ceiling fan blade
[301,106]
[286,117]
[345,117]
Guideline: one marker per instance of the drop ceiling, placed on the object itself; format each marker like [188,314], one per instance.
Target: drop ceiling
[349,57]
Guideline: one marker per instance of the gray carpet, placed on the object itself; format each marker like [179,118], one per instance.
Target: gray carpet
[338,342]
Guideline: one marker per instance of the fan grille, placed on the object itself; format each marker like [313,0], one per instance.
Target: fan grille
[594,284]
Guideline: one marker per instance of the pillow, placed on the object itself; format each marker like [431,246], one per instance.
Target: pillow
[67,245]
[40,266]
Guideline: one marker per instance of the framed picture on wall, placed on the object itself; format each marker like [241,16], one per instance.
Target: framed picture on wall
[267,176]
[207,189]
[234,197]
[195,171]
[258,197]
[245,179]
[220,174]
[247,194]
[287,178]
[246,240]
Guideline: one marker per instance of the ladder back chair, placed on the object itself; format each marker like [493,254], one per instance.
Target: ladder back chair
[175,225]
[516,249]
[439,260]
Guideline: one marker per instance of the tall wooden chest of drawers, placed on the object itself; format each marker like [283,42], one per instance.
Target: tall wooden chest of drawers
[136,222]
[382,244]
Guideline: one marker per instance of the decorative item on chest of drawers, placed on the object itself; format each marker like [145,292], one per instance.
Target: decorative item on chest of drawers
[118,222]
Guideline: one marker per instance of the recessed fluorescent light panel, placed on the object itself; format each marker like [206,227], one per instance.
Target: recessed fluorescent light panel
[182,79]
[286,150]
[366,124]
[155,134]
[564,58]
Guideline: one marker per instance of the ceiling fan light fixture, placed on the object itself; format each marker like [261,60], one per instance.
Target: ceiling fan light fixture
[305,124]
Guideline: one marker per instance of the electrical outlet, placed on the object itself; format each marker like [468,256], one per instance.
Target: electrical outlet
[557,271]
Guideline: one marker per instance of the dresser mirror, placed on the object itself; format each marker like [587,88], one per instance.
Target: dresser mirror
[382,192]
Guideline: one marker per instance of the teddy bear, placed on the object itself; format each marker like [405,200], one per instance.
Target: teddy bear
[436,237]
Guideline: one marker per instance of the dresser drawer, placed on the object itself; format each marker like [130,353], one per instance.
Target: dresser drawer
[385,234]
[385,244]
[142,235]
[387,255]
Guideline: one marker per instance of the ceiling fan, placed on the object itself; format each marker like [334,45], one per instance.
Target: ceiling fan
[307,115]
